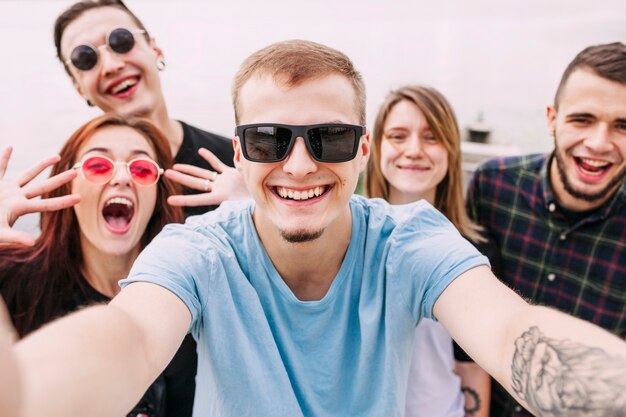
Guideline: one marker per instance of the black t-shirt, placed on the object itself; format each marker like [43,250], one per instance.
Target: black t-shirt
[172,393]
[194,139]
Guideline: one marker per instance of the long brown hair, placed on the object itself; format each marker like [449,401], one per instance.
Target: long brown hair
[442,123]
[35,280]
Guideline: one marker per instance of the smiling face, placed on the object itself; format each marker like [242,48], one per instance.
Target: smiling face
[412,159]
[113,216]
[328,185]
[590,139]
[128,83]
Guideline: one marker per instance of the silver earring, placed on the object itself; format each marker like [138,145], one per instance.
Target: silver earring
[160,64]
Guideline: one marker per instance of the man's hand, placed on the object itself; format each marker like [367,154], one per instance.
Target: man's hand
[18,197]
[225,183]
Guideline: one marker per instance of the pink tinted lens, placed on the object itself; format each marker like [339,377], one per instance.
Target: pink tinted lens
[97,169]
[143,171]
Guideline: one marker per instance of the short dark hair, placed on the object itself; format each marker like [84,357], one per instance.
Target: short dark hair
[608,61]
[76,10]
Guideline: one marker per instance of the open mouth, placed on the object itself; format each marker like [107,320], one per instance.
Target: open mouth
[123,87]
[592,167]
[299,195]
[118,213]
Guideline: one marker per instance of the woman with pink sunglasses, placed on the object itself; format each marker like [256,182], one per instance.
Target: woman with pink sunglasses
[103,203]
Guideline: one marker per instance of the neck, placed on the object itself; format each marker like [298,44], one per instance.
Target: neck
[171,128]
[397,197]
[309,268]
[103,271]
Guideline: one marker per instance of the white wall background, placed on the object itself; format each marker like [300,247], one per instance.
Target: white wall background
[502,58]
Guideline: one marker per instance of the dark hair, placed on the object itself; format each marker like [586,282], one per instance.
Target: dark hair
[608,61]
[295,61]
[34,281]
[76,10]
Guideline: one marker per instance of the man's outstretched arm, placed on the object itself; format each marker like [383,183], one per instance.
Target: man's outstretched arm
[99,361]
[554,364]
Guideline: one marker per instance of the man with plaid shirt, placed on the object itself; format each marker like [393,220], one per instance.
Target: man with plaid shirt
[559,220]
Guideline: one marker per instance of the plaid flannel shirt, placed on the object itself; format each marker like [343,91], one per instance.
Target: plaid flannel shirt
[577,267]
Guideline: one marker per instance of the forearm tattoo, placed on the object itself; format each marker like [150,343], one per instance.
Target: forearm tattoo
[566,378]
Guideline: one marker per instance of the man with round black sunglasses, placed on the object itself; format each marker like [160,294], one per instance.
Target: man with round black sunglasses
[114,64]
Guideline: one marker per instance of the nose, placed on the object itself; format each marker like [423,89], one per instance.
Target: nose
[413,146]
[111,62]
[299,162]
[121,176]
[599,139]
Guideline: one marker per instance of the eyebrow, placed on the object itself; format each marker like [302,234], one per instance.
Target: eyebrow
[575,115]
[133,152]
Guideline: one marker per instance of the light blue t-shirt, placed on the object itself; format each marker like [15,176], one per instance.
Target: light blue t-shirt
[262,352]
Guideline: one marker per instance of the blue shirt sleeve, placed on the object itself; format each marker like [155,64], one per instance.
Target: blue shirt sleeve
[426,254]
[179,260]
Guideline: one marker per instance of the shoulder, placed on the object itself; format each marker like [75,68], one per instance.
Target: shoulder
[227,219]
[511,164]
[418,217]
[195,138]
[196,134]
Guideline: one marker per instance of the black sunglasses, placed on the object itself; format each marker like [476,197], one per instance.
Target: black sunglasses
[121,41]
[271,142]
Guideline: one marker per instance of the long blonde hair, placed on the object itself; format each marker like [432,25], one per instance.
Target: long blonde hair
[442,123]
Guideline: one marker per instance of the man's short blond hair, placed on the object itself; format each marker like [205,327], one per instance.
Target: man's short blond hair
[296,61]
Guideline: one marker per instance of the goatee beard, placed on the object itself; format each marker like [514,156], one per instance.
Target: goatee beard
[301,236]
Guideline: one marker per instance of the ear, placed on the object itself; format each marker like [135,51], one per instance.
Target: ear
[156,49]
[365,150]
[551,116]
[79,89]
[237,157]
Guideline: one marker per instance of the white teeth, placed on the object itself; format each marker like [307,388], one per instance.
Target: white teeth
[124,84]
[300,195]
[594,162]
[119,200]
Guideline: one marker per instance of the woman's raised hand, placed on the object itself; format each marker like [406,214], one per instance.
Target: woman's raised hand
[19,197]
[225,183]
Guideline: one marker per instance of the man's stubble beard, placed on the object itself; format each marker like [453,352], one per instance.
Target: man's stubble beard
[580,195]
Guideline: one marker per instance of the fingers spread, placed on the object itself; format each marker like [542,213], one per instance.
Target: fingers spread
[190,181]
[36,169]
[194,200]
[10,236]
[34,190]
[193,171]
[212,159]
[52,204]
[5,155]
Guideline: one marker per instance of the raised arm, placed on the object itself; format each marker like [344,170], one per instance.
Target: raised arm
[100,360]
[225,183]
[19,197]
[552,363]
